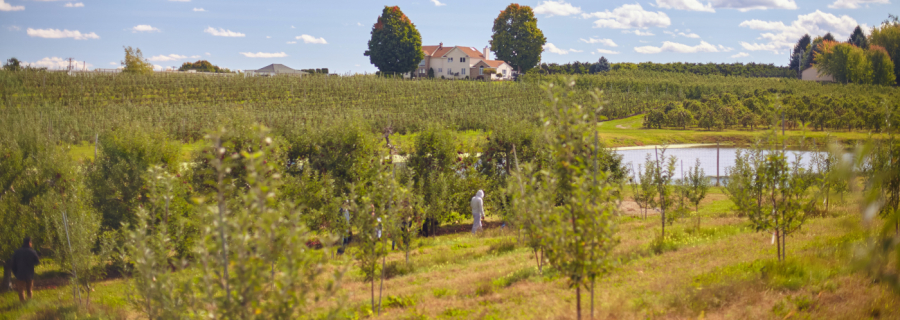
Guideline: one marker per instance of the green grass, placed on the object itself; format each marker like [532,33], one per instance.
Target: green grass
[725,269]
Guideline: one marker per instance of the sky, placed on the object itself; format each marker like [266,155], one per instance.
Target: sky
[333,34]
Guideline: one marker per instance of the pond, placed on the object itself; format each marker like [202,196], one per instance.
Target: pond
[714,161]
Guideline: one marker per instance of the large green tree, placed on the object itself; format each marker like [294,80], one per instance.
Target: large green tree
[858,38]
[135,63]
[888,36]
[202,66]
[517,39]
[396,45]
[799,49]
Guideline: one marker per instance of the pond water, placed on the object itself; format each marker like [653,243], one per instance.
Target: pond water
[687,155]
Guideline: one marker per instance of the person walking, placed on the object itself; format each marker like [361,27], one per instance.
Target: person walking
[23,262]
[477,210]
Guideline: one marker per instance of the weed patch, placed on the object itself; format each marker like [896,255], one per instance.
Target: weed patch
[514,277]
[399,301]
[397,269]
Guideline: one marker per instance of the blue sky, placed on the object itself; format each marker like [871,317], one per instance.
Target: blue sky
[333,34]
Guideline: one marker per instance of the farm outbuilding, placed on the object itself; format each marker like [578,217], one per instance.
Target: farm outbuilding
[276,69]
[812,74]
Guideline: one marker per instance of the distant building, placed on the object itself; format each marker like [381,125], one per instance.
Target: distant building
[275,69]
[460,63]
[812,74]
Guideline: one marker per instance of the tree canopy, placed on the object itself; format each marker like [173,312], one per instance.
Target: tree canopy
[602,65]
[202,66]
[517,39]
[848,63]
[887,36]
[798,52]
[396,45]
[858,38]
[135,63]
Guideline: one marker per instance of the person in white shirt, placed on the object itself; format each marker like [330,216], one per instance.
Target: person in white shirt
[477,210]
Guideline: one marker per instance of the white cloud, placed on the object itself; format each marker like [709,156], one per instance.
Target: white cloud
[359,24]
[171,57]
[747,5]
[785,36]
[8,7]
[59,34]
[310,39]
[690,5]
[682,34]
[607,51]
[854,4]
[74,5]
[556,8]
[268,37]
[606,42]
[195,57]
[14,28]
[638,32]
[58,63]
[740,55]
[724,48]
[549,47]
[291,42]
[438,3]
[740,5]
[629,16]
[144,28]
[222,32]
[207,54]
[669,46]
[264,54]
[199,10]
[113,63]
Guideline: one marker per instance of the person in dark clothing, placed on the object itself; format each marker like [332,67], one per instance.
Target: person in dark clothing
[23,262]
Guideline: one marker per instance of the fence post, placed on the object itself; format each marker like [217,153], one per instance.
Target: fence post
[717,164]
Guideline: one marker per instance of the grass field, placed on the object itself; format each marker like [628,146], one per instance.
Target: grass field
[723,270]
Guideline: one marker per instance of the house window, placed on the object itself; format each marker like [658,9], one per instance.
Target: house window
[462,71]
[448,71]
[449,59]
[480,71]
[440,70]
[462,59]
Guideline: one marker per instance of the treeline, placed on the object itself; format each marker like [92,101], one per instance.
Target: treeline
[755,70]
[862,59]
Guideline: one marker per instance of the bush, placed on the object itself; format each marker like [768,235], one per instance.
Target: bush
[115,178]
[399,301]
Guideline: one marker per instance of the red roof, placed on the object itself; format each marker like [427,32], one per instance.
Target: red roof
[435,52]
[494,63]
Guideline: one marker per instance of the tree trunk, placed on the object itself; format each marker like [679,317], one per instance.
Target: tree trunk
[578,300]
[592,297]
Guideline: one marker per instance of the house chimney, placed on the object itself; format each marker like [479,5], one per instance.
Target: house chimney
[440,45]
[486,56]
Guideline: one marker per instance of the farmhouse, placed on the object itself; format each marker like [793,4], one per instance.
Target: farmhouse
[812,74]
[462,62]
[275,69]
